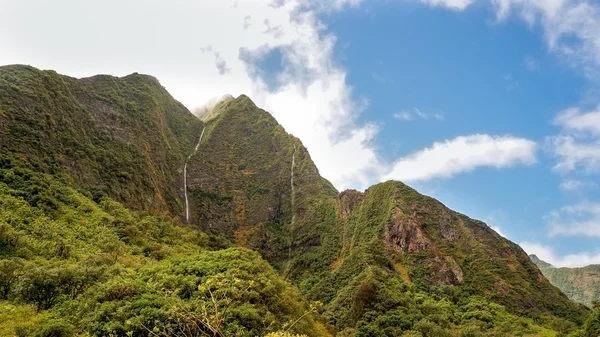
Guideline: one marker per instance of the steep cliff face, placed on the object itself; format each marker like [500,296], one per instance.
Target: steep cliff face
[384,260]
[579,284]
[393,229]
[240,187]
[240,181]
[125,138]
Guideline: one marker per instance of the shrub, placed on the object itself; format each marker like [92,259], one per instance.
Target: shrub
[54,328]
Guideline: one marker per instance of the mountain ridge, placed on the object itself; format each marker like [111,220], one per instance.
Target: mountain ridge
[580,284]
[383,262]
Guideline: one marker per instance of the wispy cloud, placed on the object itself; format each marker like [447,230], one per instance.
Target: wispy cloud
[547,254]
[530,63]
[247,22]
[452,4]
[575,120]
[408,115]
[221,64]
[572,153]
[276,31]
[572,185]
[582,219]
[578,144]
[403,115]
[463,154]
[570,27]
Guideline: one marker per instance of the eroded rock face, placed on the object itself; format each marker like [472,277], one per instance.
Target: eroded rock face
[348,200]
[455,274]
[448,231]
[406,236]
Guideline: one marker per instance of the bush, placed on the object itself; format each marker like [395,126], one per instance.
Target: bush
[430,329]
[54,328]
[44,285]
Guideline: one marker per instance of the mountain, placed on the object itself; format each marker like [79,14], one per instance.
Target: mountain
[124,214]
[119,137]
[91,241]
[242,174]
[579,284]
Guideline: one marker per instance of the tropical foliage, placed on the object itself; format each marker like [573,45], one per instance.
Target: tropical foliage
[92,241]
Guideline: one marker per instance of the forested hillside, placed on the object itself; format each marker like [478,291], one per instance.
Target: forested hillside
[94,237]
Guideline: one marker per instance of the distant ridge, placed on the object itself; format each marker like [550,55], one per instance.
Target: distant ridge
[579,284]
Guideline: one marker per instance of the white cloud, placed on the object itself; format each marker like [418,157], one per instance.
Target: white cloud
[210,105]
[572,185]
[200,50]
[452,4]
[403,115]
[578,144]
[573,119]
[407,115]
[463,154]
[573,154]
[195,49]
[546,253]
[570,27]
[426,115]
[582,219]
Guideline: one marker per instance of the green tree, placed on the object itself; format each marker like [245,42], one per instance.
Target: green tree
[10,269]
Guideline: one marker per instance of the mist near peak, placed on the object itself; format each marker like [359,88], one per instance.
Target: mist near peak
[203,112]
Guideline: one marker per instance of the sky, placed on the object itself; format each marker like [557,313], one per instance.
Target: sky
[490,106]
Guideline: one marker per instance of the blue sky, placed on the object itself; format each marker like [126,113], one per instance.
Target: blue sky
[492,107]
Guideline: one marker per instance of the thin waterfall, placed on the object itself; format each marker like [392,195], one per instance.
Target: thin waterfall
[187,206]
[293,204]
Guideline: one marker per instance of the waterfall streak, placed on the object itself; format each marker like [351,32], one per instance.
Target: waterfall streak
[293,204]
[187,206]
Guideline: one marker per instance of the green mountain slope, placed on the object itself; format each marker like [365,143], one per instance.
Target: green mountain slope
[75,261]
[100,268]
[94,237]
[240,181]
[579,284]
[125,138]
[242,174]
[391,235]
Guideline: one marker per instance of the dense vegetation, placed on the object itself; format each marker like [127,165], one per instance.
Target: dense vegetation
[92,240]
[579,284]
[122,138]
[71,265]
